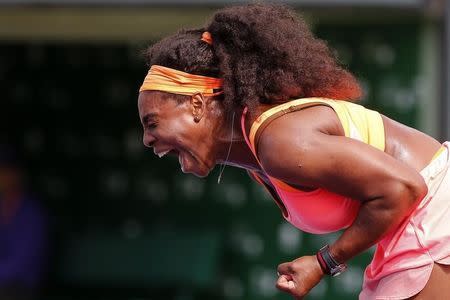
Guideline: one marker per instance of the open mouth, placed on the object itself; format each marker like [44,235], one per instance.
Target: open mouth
[171,152]
[184,158]
[174,152]
[187,161]
[162,153]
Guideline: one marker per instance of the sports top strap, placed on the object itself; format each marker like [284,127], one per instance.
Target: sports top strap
[358,122]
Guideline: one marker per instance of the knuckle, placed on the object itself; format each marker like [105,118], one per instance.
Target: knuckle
[291,268]
[296,264]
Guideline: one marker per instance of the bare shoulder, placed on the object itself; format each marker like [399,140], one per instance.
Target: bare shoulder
[289,139]
[297,128]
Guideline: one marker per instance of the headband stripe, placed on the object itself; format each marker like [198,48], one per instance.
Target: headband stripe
[165,79]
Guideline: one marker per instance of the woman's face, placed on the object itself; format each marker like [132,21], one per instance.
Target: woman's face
[186,129]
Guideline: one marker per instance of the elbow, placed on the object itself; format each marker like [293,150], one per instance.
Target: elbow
[417,189]
[401,197]
[410,192]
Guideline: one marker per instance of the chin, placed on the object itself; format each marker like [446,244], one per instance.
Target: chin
[197,167]
[196,173]
[199,172]
[202,173]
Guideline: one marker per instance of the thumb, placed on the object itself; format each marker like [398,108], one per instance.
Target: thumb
[285,283]
[284,268]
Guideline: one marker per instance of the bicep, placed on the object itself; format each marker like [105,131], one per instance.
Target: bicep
[336,163]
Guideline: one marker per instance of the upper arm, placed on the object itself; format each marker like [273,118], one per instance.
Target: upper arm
[302,153]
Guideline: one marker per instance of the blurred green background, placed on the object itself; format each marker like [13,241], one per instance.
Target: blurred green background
[127,225]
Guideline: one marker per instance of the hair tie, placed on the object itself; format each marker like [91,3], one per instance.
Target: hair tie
[206,37]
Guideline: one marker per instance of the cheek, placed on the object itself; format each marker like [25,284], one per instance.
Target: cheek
[205,140]
[181,130]
[197,137]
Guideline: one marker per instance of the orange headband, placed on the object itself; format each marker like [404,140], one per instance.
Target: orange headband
[164,79]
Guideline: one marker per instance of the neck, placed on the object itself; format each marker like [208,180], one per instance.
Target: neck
[233,141]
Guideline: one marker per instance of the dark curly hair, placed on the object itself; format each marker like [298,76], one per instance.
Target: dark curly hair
[265,53]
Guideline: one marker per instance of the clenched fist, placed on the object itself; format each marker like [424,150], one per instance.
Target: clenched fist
[299,276]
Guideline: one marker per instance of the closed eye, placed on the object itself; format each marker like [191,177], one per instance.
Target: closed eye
[149,121]
[152,125]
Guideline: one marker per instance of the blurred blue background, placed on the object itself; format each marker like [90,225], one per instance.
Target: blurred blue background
[119,223]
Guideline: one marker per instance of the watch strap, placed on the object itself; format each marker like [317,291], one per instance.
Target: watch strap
[322,264]
[328,264]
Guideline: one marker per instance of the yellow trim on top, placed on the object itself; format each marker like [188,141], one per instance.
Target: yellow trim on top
[357,120]
[438,152]
[285,106]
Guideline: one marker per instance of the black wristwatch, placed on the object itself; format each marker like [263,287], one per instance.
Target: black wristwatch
[328,264]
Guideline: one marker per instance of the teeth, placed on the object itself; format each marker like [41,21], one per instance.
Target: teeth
[180,160]
[161,154]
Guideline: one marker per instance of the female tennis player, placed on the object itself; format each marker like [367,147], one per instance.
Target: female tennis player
[256,90]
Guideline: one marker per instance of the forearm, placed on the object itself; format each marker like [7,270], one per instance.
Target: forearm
[375,219]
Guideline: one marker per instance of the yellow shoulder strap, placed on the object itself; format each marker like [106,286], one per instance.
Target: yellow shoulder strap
[271,114]
[358,122]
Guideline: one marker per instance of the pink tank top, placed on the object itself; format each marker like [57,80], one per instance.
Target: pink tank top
[318,211]
[404,258]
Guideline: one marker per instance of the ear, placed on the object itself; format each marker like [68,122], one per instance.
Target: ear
[198,106]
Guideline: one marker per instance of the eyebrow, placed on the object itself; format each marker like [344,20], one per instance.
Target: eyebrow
[148,117]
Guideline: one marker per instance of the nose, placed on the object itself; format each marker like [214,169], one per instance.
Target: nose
[148,140]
